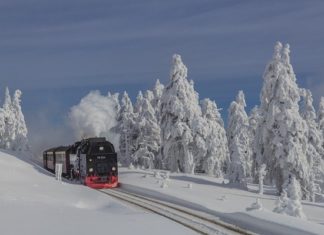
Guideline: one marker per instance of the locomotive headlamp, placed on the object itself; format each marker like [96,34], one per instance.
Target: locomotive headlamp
[113,168]
[90,169]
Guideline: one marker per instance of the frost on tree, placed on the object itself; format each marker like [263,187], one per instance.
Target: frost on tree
[9,117]
[156,101]
[314,149]
[289,202]
[2,127]
[126,126]
[13,130]
[282,141]
[254,122]
[180,121]
[138,104]
[320,118]
[20,143]
[262,173]
[148,140]
[239,141]
[217,155]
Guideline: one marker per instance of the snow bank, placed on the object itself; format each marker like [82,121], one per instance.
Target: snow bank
[232,205]
[33,202]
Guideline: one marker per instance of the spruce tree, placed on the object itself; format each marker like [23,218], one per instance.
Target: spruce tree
[254,122]
[156,101]
[20,143]
[320,117]
[216,160]
[239,141]
[282,133]
[314,149]
[180,111]
[2,128]
[10,120]
[126,125]
[148,140]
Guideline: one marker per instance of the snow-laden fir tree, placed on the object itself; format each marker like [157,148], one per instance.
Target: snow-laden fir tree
[156,102]
[138,103]
[20,143]
[148,141]
[289,202]
[281,203]
[239,141]
[10,120]
[314,144]
[126,126]
[149,95]
[282,141]
[217,156]
[180,121]
[320,117]
[254,122]
[262,173]
[2,127]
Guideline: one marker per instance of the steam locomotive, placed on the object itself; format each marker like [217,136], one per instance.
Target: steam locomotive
[92,161]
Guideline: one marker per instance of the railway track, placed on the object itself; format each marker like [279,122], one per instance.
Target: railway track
[199,222]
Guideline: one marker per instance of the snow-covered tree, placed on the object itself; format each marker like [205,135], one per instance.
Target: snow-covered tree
[290,201]
[149,95]
[10,120]
[138,103]
[2,127]
[156,101]
[180,120]
[239,140]
[254,122]
[126,125]
[217,155]
[320,117]
[262,173]
[282,133]
[148,140]
[314,143]
[281,203]
[20,143]
[13,129]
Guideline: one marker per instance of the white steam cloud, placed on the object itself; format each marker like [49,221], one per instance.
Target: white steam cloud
[95,116]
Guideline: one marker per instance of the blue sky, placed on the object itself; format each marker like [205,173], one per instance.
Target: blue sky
[57,51]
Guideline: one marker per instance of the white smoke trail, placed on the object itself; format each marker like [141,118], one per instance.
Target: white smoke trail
[95,116]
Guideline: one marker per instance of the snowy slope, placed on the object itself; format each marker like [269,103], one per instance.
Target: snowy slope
[32,202]
[230,204]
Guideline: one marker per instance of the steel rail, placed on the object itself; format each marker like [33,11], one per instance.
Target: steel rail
[184,216]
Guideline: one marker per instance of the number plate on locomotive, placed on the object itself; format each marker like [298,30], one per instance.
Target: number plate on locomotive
[101,157]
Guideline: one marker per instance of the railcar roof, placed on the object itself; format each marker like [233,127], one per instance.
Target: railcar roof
[60,148]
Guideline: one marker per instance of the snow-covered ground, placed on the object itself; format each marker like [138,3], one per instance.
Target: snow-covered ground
[32,202]
[232,205]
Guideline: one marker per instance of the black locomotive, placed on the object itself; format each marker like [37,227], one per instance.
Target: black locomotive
[93,161]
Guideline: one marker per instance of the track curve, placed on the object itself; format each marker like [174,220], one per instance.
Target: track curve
[201,223]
